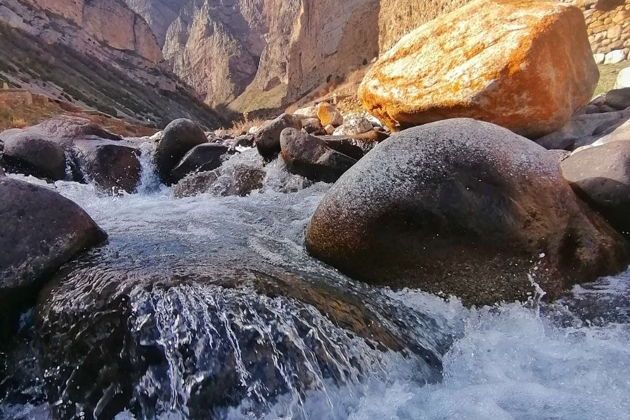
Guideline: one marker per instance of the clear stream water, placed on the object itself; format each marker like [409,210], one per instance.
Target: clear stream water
[287,358]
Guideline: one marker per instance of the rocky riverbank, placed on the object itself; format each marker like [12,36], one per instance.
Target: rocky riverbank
[251,267]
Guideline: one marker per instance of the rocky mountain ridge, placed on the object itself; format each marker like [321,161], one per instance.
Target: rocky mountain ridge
[94,54]
[257,54]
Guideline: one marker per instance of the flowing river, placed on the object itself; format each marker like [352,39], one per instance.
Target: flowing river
[209,307]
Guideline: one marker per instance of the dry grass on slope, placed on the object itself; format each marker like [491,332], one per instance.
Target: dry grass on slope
[17,114]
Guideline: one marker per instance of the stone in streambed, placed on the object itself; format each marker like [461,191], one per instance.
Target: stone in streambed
[267,139]
[179,137]
[601,176]
[33,154]
[466,208]
[41,230]
[310,157]
[205,157]
[111,166]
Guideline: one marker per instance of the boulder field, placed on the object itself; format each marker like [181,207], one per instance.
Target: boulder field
[466,208]
[525,65]
[72,148]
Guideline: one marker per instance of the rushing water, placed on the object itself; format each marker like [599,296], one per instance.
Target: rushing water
[219,306]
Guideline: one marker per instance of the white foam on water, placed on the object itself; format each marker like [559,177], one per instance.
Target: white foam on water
[511,361]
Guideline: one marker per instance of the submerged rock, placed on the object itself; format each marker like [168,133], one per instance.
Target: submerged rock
[210,338]
[523,65]
[466,208]
[267,139]
[310,157]
[179,137]
[41,230]
[601,176]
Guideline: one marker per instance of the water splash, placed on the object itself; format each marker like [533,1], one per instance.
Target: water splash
[149,179]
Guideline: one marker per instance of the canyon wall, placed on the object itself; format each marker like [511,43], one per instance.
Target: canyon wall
[96,54]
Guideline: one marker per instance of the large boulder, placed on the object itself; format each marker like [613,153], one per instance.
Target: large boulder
[33,154]
[111,166]
[41,150]
[41,230]
[267,139]
[310,157]
[525,65]
[601,176]
[205,157]
[179,137]
[462,207]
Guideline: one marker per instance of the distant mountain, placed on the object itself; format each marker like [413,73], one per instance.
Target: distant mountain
[97,54]
[264,54]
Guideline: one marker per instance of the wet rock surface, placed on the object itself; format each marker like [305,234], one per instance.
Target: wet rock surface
[205,157]
[111,166]
[489,204]
[41,231]
[202,329]
[178,138]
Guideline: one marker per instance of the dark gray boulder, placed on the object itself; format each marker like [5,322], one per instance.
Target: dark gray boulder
[34,154]
[310,157]
[111,166]
[41,230]
[466,208]
[601,176]
[178,138]
[205,157]
[583,130]
[267,139]
[618,98]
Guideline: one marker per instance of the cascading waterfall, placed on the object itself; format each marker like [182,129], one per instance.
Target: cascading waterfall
[209,307]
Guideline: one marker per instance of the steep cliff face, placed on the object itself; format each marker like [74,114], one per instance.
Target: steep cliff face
[399,17]
[254,54]
[94,53]
[108,21]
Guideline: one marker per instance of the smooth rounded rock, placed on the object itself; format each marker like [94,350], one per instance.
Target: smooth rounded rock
[179,137]
[41,230]
[267,139]
[33,154]
[462,207]
[205,157]
[112,167]
[601,176]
